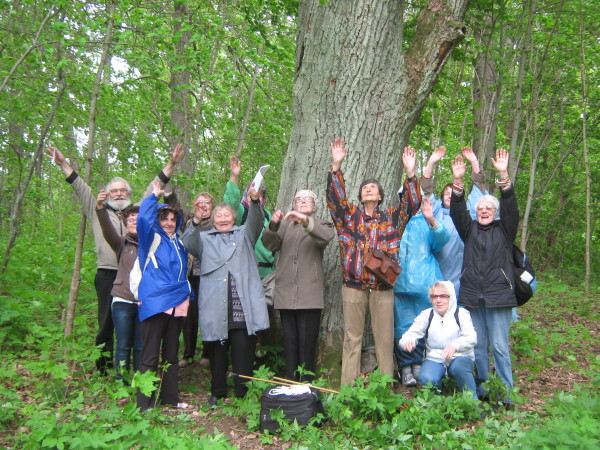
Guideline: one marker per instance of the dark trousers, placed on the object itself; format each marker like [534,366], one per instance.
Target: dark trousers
[405,359]
[300,334]
[104,282]
[190,323]
[156,330]
[243,348]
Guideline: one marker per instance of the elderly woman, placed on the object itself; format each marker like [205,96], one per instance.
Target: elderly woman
[164,293]
[488,280]
[360,228]
[449,339]
[299,278]
[232,305]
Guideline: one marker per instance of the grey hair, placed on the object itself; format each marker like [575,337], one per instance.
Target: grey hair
[438,284]
[115,180]
[490,199]
[231,209]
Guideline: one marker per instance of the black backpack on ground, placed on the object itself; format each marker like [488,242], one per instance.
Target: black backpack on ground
[301,408]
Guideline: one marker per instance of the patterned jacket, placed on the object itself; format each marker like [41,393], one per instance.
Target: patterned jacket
[384,228]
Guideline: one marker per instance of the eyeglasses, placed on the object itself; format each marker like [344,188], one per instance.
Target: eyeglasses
[119,191]
[131,220]
[440,296]
[485,208]
[202,202]
[303,199]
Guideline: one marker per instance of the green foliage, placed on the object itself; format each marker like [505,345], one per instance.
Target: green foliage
[573,422]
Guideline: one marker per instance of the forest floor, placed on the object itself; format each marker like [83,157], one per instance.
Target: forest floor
[536,381]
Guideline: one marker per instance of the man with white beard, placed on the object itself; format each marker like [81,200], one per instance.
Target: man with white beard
[119,198]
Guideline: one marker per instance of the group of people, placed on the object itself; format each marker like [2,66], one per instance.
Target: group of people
[162,271]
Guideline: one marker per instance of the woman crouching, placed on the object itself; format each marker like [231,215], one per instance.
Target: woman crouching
[449,340]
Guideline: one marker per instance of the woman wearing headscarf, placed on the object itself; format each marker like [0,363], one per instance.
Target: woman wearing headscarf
[301,238]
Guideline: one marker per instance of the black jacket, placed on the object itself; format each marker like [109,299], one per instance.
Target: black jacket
[487,265]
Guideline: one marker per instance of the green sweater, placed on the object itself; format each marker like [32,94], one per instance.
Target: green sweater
[233,196]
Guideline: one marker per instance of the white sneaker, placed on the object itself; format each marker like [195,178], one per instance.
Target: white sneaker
[407,377]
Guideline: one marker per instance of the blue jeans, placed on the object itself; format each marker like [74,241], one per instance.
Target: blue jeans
[492,326]
[460,368]
[129,335]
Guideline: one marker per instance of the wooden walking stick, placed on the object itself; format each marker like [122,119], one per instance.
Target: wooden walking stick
[284,382]
[304,384]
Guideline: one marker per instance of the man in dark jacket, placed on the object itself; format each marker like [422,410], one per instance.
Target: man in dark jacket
[487,281]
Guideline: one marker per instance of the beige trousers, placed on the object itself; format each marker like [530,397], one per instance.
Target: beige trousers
[381,306]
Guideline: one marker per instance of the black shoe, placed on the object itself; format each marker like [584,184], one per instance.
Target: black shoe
[212,402]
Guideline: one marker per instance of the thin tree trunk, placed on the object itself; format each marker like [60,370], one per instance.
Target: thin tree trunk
[104,62]
[22,190]
[523,58]
[16,65]
[586,160]
[249,105]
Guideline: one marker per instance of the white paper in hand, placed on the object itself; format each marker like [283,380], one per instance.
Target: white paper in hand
[260,176]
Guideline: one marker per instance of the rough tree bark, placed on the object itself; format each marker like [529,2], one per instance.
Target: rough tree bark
[355,79]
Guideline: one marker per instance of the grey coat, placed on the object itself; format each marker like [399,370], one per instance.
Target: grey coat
[221,254]
[299,274]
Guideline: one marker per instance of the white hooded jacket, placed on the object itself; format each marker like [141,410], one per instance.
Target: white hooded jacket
[444,331]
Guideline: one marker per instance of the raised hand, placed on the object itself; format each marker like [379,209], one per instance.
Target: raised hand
[252,192]
[470,156]
[100,199]
[55,155]
[427,209]
[436,157]
[409,161]
[176,154]
[157,189]
[235,168]
[437,154]
[277,216]
[501,162]
[338,153]
[458,168]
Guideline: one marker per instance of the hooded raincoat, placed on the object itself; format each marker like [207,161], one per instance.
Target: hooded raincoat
[164,284]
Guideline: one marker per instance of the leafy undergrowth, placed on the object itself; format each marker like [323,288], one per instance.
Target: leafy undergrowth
[51,397]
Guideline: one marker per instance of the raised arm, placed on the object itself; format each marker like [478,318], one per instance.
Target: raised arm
[427,178]
[509,209]
[458,208]
[60,160]
[165,174]
[271,237]
[337,202]
[233,195]
[112,236]
[255,221]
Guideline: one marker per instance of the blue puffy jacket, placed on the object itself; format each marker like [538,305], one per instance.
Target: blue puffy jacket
[164,284]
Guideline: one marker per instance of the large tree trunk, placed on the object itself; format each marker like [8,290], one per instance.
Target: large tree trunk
[354,79]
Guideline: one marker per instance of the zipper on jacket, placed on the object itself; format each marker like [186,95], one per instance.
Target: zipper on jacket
[509,283]
[174,242]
